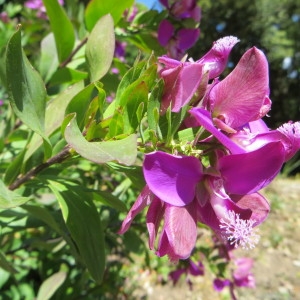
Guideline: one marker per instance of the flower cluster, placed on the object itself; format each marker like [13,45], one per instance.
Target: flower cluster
[38,5]
[172,33]
[234,155]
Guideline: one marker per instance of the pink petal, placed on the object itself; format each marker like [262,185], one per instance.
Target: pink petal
[141,202]
[258,204]
[215,60]
[154,216]
[241,96]
[181,229]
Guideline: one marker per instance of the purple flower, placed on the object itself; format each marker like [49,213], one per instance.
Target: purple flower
[39,6]
[183,9]
[181,193]
[190,268]
[242,276]
[186,80]
[219,284]
[176,41]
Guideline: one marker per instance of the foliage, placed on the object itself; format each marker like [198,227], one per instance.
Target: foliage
[76,120]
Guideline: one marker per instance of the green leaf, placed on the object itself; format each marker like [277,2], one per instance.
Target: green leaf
[124,151]
[9,199]
[44,215]
[80,104]
[98,8]
[49,60]
[64,75]
[6,265]
[100,48]
[13,170]
[55,113]
[62,29]
[25,87]
[134,173]
[110,200]
[83,222]
[50,285]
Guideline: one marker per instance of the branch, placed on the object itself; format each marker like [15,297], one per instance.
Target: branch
[60,157]
[64,63]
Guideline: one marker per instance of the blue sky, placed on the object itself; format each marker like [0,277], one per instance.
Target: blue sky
[149,3]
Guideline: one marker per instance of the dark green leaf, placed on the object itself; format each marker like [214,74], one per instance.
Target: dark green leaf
[26,88]
[109,200]
[83,222]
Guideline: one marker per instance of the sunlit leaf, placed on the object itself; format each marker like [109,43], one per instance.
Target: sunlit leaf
[49,60]
[123,151]
[100,48]
[50,285]
[62,29]
[98,8]
[9,199]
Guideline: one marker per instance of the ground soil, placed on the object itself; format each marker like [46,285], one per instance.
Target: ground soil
[277,256]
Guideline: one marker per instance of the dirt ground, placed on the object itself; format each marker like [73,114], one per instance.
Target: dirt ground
[277,256]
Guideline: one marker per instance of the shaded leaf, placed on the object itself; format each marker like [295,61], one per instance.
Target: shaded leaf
[109,200]
[83,222]
[100,48]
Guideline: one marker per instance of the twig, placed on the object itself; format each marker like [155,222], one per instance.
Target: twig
[60,157]
[64,63]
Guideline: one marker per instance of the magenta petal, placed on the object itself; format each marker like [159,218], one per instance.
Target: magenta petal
[196,269]
[165,32]
[181,229]
[187,38]
[141,202]
[249,172]
[203,118]
[241,96]
[154,216]
[172,178]
[220,284]
[242,275]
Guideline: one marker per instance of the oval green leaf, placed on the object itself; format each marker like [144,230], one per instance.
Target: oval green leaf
[100,48]
[123,151]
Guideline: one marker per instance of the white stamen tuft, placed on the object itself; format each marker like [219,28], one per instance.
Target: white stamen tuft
[239,232]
